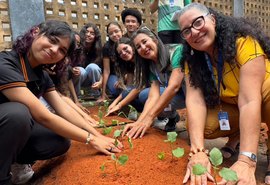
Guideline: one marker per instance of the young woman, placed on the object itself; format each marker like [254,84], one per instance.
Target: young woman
[109,78]
[124,67]
[89,74]
[28,131]
[159,65]
[228,81]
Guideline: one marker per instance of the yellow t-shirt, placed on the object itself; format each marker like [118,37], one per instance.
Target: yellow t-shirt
[247,49]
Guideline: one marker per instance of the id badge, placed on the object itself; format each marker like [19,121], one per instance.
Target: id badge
[169,108]
[223,119]
[171,3]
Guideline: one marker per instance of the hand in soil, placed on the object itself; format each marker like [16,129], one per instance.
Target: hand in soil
[135,130]
[198,158]
[113,109]
[91,121]
[106,145]
[245,171]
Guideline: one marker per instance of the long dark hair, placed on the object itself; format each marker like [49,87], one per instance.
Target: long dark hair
[96,48]
[142,65]
[50,28]
[228,30]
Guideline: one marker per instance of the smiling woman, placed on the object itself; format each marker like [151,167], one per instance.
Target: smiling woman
[28,131]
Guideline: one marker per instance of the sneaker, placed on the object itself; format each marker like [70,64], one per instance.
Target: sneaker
[171,125]
[160,123]
[21,173]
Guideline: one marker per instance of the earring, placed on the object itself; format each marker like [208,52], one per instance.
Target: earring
[191,52]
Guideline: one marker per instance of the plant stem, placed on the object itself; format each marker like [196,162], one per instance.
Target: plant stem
[115,166]
[171,150]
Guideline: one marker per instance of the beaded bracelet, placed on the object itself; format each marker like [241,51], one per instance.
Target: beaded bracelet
[191,153]
[88,139]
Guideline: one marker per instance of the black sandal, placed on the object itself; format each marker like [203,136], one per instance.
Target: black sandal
[232,151]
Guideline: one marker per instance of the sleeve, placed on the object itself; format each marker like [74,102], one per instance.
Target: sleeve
[105,50]
[49,85]
[186,2]
[11,74]
[176,55]
[152,77]
[247,49]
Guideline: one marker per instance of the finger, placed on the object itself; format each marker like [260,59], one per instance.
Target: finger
[119,145]
[143,132]
[210,177]
[186,176]
[105,151]
[127,127]
[222,182]
[138,132]
[204,179]
[192,179]
[198,180]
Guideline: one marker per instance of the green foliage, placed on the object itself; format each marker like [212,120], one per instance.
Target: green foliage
[171,137]
[102,167]
[178,152]
[122,159]
[106,105]
[107,130]
[161,155]
[115,122]
[117,133]
[198,169]
[228,174]
[216,157]
[130,143]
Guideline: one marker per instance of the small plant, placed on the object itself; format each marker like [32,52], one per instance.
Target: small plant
[216,159]
[122,113]
[178,152]
[115,122]
[107,130]
[106,104]
[133,113]
[100,116]
[122,159]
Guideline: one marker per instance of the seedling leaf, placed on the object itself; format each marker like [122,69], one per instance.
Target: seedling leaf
[122,159]
[114,122]
[130,143]
[178,152]
[228,174]
[107,130]
[113,157]
[117,133]
[198,169]
[161,155]
[216,157]
[102,167]
[171,137]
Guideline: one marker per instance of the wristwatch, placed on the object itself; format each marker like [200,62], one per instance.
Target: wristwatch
[250,155]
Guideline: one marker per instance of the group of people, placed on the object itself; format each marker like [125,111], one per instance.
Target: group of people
[216,66]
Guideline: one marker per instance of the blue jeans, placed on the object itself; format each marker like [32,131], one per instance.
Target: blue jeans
[111,86]
[90,75]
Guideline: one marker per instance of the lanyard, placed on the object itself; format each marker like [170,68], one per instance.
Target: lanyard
[165,77]
[219,68]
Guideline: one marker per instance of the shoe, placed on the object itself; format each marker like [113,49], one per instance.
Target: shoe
[229,150]
[171,125]
[21,173]
[160,123]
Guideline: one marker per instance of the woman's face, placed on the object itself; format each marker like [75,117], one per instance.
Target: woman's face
[114,32]
[146,46]
[201,39]
[125,51]
[48,50]
[90,35]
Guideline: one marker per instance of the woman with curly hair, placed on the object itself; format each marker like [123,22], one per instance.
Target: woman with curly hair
[228,86]
[28,131]
[159,65]
[89,73]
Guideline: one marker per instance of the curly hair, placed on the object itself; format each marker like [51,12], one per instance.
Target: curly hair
[96,49]
[228,30]
[142,65]
[50,28]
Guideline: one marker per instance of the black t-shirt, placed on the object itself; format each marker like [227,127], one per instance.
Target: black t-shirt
[16,72]
[109,52]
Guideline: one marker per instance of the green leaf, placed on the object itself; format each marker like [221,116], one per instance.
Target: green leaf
[115,142]
[198,169]
[100,113]
[101,123]
[216,157]
[107,130]
[122,159]
[130,143]
[161,155]
[117,133]
[114,122]
[122,113]
[113,157]
[228,174]
[178,152]
[102,167]
[171,137]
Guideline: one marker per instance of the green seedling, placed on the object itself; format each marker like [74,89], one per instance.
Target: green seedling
[121,160]
[122,113]
[133,113]
[216,159]
[171,138]
[100,116]
[130,143]
[115,122]
[106,105]
[116,135]
[107,130]
[161,155]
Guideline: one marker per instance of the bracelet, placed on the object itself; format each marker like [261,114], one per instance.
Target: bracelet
[192,152]
[88,139]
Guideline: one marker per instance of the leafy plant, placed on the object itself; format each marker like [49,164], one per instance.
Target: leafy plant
[115,122]
[178,152]
[133,113]
[121,160]
[100,116]
[216,159]
[106,104]
[107,130]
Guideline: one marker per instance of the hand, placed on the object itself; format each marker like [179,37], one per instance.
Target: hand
[105,144]
[83,108]
[136,129]
[113,109]
[96,85]
[198,158]
[76,71]
[102,98]
[91,121]
[117,84]
[245,171]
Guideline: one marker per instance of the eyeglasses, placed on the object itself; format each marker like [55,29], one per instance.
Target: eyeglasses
[197,24]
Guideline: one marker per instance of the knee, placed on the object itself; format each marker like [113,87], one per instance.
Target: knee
[64,145]
[94,68]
